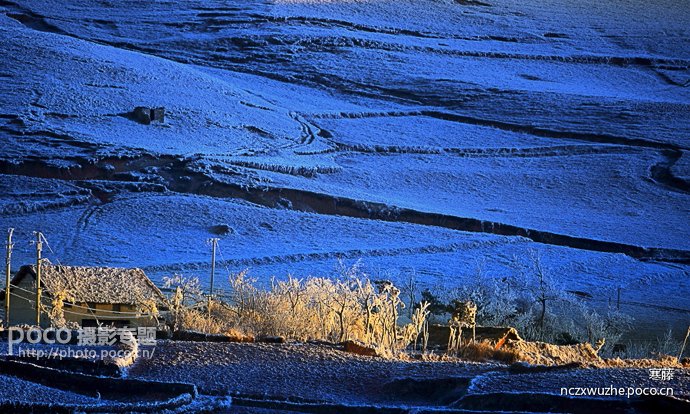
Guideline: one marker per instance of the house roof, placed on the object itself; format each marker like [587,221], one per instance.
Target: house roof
[95,284]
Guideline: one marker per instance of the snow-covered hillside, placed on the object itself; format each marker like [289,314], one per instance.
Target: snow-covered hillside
[424,137]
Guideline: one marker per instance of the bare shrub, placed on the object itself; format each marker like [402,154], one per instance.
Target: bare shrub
[464,316]
[410,291]
[497,299]
[587,325]
[543,298]
[195,320]
[667,344]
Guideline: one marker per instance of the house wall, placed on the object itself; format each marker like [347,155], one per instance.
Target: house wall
[103,313]
[22,306]
[23,311]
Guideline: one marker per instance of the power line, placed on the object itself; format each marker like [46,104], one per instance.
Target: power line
[50,248]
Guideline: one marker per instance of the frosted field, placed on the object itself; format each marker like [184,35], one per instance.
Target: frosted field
[422,137]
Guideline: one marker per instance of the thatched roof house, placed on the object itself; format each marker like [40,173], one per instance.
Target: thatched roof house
[97,295]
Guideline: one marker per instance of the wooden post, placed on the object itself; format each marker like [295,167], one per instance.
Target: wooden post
[39,248]
[214,244]
[8,261]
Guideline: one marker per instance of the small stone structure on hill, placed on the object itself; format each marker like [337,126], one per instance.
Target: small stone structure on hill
[145,115]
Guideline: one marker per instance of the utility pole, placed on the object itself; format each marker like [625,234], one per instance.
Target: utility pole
[8,261]
[214,244]
[39,248]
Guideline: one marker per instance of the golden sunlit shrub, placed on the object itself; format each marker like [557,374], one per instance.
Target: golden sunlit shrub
[348,307]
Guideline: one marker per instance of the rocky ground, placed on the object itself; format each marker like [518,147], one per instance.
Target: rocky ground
[321,377]
[323,373]
[426,138]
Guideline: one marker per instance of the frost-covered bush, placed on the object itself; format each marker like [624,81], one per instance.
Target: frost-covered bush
[668,345]
[665,345]
[497,301]
[185,310]
[346,307]
[587,325]
[532,300]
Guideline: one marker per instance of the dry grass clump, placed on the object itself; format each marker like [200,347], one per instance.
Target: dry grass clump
[485,351]
[185,313]
[198,321]
[237,336]
[663,361]
[544,354]
[541,353]
[436,357]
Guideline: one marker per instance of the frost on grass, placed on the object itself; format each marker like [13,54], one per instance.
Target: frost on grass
[350,307]
[557,324]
